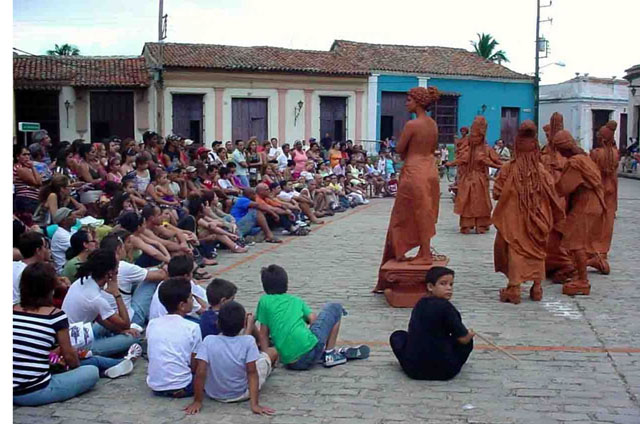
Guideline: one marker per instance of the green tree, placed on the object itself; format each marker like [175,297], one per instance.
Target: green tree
[485,47]
[64,50]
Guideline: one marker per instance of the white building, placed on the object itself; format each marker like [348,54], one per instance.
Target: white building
[633,124]
[587,103]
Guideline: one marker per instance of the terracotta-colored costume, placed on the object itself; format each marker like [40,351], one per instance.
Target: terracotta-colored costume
[527,209]
[461,147]
[607,157]
[415,211]
[581,184]
[473,203]
[558,263]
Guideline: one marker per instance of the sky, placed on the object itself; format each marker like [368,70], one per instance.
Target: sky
[588,36]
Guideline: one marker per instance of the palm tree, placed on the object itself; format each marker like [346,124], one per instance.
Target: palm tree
[485,47]
[64,50]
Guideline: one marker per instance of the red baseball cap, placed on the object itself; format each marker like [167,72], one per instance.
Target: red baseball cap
[202,150]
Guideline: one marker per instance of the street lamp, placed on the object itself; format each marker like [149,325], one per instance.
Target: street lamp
[559,63]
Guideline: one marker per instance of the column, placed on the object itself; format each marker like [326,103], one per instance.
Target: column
[359,94]
[282,114]
[372,107]
[422,81]
[218,105]
[307,113]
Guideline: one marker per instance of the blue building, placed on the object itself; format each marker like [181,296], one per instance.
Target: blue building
[469,85]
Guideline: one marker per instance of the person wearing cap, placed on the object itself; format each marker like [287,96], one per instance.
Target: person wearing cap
[194,185]
[64,218]
[202,153]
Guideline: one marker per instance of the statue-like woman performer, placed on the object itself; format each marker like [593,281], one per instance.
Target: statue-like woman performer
[415,211]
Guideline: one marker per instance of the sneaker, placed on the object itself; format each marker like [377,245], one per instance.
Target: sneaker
[135,351]
[301,224]
[123,368]
[137,327]
[355,352]
[333,358]
[285,232]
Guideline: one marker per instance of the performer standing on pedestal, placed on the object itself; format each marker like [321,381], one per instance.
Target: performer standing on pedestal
[606,157]
[527,209]
[415,211]
[473,203]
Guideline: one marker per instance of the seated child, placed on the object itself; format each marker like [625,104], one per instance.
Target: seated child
[219,292]
[437,344]
[229,367]
[300,337]
[180,266]
[173,342]
[392,185]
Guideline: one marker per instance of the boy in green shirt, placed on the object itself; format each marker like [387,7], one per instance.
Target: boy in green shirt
[301,338]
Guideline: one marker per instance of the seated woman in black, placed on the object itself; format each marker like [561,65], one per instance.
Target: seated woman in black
[437,344]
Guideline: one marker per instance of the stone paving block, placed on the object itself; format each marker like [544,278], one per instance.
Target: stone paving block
[339,261]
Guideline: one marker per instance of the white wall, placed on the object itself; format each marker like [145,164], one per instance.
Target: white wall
[69,134]
[294,131]
[208,110]
[575,99]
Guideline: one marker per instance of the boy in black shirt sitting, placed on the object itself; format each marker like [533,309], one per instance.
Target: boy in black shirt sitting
[437,344]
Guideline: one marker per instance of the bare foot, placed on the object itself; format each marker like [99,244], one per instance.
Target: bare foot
[238,249]
[318,222]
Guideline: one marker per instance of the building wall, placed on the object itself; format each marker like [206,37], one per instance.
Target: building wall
[283,92]
[473,94]
[80,113]
[633,123]
[575,99]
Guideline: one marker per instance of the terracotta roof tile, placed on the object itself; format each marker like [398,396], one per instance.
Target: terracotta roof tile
[261,58]
[422,59]
[79,71]
[344,58]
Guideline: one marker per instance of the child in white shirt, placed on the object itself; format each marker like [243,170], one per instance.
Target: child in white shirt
[173,342]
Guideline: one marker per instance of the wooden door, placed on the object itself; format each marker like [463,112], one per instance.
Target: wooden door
[38,106]
[394,112]
[509,125]
[599,118]
[333,117]
[445,113]
[188,116]
[249,118]
[622,145]
[111,114]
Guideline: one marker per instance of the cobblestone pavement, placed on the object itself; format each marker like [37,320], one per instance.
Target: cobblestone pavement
[579,357]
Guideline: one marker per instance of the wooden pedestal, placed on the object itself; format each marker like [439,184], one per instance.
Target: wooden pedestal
[405,282]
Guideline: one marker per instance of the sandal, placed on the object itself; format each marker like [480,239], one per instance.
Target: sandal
[202,275]
[273,240]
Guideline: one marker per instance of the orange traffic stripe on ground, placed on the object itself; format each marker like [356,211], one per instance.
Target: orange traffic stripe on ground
[577,349]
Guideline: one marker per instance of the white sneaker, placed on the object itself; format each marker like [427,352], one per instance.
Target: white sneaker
[123,368]
[135,351]
[136,327]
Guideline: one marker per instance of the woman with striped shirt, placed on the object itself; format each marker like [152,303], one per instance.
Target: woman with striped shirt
[37,328]
[26,181]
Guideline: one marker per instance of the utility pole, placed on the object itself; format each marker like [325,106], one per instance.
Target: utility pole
[160,16]
[536,78]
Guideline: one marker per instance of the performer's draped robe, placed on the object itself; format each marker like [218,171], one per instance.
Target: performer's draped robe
[415,211]
[607,159]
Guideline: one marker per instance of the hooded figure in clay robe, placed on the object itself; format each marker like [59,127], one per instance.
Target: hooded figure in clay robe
[473,203]
[559,265]
[581,185]
[607,157]
[527,208]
